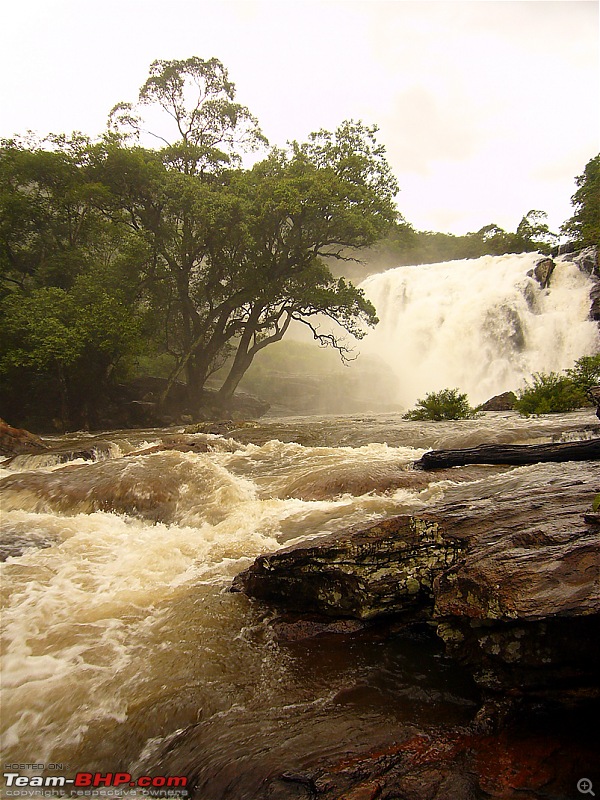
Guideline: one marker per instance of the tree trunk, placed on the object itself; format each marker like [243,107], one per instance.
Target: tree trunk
[64,397]
[511,454]
[243,357]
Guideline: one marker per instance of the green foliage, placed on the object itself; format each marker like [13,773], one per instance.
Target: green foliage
[584,226]
[586,372]
[443,405]
[405,245]
[101,243]
[549,393]
[198,99]
[554,393]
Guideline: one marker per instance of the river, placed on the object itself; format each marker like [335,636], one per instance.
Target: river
[121,639]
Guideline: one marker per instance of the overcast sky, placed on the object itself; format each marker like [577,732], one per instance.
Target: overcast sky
[487,108]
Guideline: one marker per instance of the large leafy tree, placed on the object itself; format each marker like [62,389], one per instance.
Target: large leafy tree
[240,252]
[305,206]
[584,226]
[102,241]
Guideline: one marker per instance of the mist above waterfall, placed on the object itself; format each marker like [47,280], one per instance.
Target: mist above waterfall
[481,325]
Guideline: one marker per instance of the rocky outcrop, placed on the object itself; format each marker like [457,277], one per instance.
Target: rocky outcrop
[500,402]
[383,569]
[537,760]
[543,271]
[510,576]
[14,441]
[595,302]
[522,609]
[588,262]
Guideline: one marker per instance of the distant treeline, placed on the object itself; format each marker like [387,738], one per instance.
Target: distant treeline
[406,245]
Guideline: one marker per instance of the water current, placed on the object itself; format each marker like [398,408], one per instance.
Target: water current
[123,649]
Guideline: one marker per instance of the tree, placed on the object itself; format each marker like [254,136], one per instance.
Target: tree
[68,282]
[584,226]
[533,233]
[443,405]
[71,340]
[549,393]
[210,128]
[241,251]
[102,242]
[47,220]
[305,205]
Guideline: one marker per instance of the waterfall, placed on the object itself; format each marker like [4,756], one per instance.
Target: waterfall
[480,325]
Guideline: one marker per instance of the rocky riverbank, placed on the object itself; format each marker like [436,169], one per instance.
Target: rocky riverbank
[510,581]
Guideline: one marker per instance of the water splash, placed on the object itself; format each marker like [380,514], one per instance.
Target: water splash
[481,325]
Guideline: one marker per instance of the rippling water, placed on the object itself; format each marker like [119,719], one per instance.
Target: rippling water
[123,649]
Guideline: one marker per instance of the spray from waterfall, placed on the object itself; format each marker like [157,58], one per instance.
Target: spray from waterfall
[480,325]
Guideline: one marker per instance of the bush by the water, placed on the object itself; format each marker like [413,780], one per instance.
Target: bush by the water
[550,393]
[586,372]
[438,406]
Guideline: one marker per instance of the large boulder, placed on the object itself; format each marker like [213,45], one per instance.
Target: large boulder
[382,569]
[16,441]
[543,271]
[595,302]
[500,402]
[509,571]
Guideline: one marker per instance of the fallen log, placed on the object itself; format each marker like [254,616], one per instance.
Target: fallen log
[515,454]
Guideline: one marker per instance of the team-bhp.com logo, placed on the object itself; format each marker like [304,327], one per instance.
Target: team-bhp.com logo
[18,785]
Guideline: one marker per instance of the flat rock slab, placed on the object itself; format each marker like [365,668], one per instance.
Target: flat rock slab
[517,546]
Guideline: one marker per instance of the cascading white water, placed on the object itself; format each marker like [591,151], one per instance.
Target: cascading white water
[480,325]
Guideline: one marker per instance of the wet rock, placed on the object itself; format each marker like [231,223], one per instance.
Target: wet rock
[53,456]
[14,441]
[587,261]
[543,270]
[531,761]
[522,609]
[500,402]
[298,628]
[382,569]
[181,444]
[150,488]
[223,427]
[595,302]
[327,482]
[14,544]
[511,577]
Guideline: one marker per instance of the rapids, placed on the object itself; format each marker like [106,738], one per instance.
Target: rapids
[120,637]
[481,325]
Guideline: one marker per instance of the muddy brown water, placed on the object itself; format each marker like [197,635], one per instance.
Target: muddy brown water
[123,649]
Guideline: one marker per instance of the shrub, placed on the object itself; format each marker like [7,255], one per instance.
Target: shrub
[445,404]
[550,393]
[586,372]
